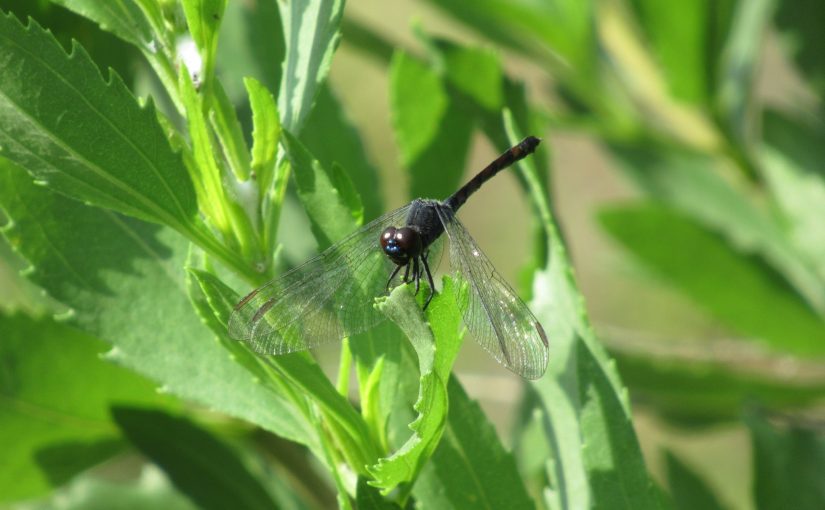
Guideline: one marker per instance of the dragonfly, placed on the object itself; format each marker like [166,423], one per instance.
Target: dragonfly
[331,296]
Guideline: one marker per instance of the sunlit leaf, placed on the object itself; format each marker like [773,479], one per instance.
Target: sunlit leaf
[311,31]
[40,131]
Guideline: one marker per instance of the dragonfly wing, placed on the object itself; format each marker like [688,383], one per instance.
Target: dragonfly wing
[325,299]
[493,313]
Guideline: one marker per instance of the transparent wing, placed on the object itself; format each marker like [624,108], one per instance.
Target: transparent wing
[493,313]
[325,299]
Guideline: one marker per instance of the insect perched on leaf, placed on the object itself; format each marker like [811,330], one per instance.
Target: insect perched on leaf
[330,296]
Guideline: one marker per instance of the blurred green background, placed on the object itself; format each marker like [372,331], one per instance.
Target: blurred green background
[649,323]
[688,175]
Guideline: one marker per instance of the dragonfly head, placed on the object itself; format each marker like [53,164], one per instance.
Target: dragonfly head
[401,244]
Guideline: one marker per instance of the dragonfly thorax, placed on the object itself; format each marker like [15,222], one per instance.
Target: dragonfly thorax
[401,244]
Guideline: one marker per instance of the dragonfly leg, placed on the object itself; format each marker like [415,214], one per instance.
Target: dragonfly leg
[429,280]
[406,273]
[416,275]
[395,272]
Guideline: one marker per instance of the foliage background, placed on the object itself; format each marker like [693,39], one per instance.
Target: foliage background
[686,177]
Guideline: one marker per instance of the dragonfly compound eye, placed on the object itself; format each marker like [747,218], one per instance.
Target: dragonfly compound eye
[390,246]
[409,241]
[400,244]
[387,237]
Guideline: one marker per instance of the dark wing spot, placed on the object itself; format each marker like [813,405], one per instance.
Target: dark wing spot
[247,299]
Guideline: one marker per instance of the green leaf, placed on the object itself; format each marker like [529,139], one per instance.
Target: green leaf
[680,39]
[386,365]
[204,20]
[266,131]
[124,281]
[206,173]
[328,207]
[214,301]
[563,27]
[476,72]
[788,466]
[332,138]
[418,103]
[433,126]
[217,204]
[302,372]
[18,295]
[529,444]
[792,162]
[596,456]
[716,277]
[339,178]
[140,23]
[59,421]
[436,351]
[439,168]
[688,489]
[40,131]
[198,463]
[122,18]
[311,31]
[470,469]
[695,185]
[611,454]
[691,385]
[230,133]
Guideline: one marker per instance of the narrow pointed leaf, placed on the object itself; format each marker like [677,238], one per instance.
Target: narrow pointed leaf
[331,136]
[716,277]
[230,133]
[266,131]
[204,20]
[596,459]
[311,31]
[329,209]
[691,183]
